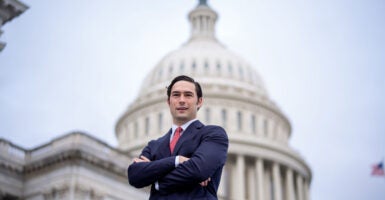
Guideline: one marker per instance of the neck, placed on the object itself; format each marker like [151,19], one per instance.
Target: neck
[182,122]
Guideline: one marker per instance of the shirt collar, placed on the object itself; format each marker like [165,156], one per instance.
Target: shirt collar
[184,126]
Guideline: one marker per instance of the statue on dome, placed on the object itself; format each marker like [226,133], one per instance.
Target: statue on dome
[202,2]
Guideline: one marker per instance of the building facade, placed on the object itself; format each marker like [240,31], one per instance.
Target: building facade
[261,165]
[72,167]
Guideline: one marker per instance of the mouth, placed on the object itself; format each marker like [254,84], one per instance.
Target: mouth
[181,108]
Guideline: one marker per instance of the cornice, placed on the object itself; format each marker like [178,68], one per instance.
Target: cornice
[72,156]
[73,148]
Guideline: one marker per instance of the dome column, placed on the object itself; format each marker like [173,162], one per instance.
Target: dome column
[251,183]
[299,188]
[239,183]
[289,185]
[306,190]
[259,172]
[277,182]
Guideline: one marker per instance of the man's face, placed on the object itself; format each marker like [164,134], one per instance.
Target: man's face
[183,102]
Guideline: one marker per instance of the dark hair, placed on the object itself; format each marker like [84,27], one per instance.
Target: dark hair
[198,88]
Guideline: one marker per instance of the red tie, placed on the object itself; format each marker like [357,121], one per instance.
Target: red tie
[175,138]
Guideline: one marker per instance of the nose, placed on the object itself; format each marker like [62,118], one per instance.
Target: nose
[182,99]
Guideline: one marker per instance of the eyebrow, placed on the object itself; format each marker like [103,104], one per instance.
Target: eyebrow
[178,92]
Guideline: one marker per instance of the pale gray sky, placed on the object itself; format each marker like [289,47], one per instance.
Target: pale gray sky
[77,65]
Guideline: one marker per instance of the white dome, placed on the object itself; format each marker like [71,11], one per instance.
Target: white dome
[210,62]
[226,79]
[203,57]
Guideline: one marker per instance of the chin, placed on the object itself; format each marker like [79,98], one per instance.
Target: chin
[182,118]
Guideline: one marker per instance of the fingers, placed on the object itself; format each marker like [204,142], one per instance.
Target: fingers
[183,159]
[144,159]
[205,182]
[141,159]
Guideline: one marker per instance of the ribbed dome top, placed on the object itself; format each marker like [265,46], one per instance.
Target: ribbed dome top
[203,57]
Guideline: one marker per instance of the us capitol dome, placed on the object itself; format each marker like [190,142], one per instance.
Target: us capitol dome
[261,164]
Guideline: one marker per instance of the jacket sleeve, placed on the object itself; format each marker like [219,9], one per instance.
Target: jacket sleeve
[142,174]
[209,157]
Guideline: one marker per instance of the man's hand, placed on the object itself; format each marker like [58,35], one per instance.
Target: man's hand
[205,183]
[141,159]
[183,159]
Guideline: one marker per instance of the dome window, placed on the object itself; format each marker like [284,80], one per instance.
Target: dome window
[160,72]
[224,117]
[253,124]
[147,126]
[265,127]
[194,65]
[136,129]
[170,69]
[230,68]
[181,67]
[160,121]
[239,120]
[250,75]
[218,66]
[240,72]
[208,114]
[206,65]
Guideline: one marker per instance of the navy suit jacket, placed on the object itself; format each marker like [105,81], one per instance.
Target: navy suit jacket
[206,146]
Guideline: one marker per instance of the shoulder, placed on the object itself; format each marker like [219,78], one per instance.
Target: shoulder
[211,128]
[214,127]
[214,131]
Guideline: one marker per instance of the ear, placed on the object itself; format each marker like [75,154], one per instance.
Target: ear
[168,101]
[199,103]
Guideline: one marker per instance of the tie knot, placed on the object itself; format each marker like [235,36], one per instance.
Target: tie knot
[178,130]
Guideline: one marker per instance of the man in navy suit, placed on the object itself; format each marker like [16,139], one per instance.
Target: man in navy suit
[187,162]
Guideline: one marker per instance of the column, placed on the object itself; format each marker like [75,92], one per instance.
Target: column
[259,172]
[277,182]
[200,24]
[289,185]
[211,26]
[205,27]
[239,184]
[251,193]
[223,189]
[306,190]
[299,187]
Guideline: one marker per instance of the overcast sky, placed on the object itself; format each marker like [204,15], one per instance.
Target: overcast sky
[77,65]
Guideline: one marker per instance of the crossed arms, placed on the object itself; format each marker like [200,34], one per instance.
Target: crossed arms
[203,163]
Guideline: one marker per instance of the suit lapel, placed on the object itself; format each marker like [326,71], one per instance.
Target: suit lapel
[164,149]
[187,135]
